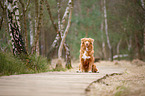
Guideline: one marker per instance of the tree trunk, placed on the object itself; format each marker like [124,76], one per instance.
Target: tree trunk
[142,3]
[63,35]
[144,40]
[14,28]
[42,41]
[103,42]
[130,49]
[68,10]
[118,46]
[25,25]
[68,57]
[138,46]
[117,49]
[102,31]
[106,30]
[35,47]
[55,43]
[4,21]
[31,29]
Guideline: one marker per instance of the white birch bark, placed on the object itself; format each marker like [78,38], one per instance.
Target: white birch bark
[129,43]
[66,30]
[106,25]
[59,25]
[36,27]
[102,31]
[142,3]
[65,16]
[59,33]
[118,47]
[103,42]
[35,47]
[31,29]
[14,27]
[106,30]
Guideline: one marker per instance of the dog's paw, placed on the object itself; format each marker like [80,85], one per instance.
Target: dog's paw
[90,71]
[78,71]
[97,72]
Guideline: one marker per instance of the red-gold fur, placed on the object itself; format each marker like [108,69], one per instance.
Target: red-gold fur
[87,56]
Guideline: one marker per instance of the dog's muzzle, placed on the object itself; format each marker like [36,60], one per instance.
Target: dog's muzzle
[87,44]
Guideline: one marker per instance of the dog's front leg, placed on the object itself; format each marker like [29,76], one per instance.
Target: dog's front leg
[81,67]
[90,67]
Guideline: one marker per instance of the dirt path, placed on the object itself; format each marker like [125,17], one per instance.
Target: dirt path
[67,83]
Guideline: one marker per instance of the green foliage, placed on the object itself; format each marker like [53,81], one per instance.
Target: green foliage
[121,91]
[10,64]
[59,69]
[38,63]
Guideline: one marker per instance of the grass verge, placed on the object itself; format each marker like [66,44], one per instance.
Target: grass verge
[10,64]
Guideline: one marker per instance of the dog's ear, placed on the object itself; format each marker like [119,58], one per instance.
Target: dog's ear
[82,40]
[92,40]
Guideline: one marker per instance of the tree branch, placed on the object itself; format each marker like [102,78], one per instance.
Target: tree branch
[1,5]
[50,15]
[28,3]
[23,5]
[67,10]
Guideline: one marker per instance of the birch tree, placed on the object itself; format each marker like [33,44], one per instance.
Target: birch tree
[14,27]
[35,47]
[106,31]
[102,31]
[64,33]
[60,31]
[31,28]
[24,9]
[4,19]
[58,36]
[67,28]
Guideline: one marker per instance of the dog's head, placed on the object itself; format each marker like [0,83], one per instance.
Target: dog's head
[87,42]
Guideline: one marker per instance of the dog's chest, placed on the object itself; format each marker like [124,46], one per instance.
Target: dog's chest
[85,57]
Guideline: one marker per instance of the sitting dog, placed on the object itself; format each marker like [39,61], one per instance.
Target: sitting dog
[87,56]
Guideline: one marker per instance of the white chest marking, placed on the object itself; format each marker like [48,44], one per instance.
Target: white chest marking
[86,49]
[85,57]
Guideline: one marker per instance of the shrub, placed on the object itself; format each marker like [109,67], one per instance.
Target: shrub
[10,64]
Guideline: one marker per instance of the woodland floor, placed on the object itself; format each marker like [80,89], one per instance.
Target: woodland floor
[123,78]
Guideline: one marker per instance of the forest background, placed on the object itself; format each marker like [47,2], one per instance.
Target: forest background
[119,21]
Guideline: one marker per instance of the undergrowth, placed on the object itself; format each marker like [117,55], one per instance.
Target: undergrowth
[10,64]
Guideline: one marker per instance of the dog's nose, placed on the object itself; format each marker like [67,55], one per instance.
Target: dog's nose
[86,44]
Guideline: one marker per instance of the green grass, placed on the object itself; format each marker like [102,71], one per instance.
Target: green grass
[10,64]
[121,91]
